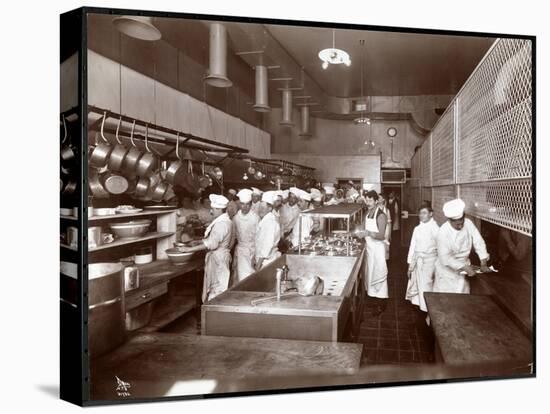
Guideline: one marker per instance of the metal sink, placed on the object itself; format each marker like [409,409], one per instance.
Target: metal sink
[334,271]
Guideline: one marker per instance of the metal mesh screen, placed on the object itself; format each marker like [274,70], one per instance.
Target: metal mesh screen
[426,165]
[440,195]
[506,203]
[442,158]
[495,116]
[416,169]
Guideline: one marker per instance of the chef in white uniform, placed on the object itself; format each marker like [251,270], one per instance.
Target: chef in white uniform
[245,224]
[421,258]
[307,222]
[454,243]
[256,197]
[329,197]
[376,280]
[269,232]
[218,239]
[290,211]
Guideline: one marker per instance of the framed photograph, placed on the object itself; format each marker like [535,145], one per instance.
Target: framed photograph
[254,206]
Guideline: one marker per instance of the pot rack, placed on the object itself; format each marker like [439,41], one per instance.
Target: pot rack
[188,141]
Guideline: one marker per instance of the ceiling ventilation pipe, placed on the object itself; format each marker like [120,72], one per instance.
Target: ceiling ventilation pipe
[217,71]
[262,99]
[287,108]
[304,131]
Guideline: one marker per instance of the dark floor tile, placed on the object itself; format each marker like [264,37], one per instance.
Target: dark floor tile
[371,322]
[388,324]
[406,344]
[387,333]
[388,356]
[407,357]
[368,332]
[368,342]
[370,355]
[388,343]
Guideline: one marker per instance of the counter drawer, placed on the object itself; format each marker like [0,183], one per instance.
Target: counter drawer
[135,299]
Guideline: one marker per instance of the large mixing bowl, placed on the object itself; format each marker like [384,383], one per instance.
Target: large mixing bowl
[177,257]
[130,229]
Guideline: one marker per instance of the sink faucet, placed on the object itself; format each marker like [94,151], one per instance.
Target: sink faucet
[285,273]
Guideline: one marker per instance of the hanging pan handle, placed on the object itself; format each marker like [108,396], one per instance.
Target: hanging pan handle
[117,130]
[103,126]
[132,133]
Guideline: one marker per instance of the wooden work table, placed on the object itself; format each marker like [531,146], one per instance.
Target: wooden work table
[164,364]
[472,329]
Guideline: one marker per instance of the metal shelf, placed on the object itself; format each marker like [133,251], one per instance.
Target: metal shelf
[122,242]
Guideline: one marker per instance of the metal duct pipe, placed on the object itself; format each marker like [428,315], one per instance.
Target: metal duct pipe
[287,108]
[262,100]
[304,132]
[217,71]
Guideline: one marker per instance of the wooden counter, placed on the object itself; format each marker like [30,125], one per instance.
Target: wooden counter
[471,329]
[163,364]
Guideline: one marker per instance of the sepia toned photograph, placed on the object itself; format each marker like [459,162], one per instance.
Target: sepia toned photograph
[252,206]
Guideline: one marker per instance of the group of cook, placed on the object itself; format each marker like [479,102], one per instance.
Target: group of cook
[257,224]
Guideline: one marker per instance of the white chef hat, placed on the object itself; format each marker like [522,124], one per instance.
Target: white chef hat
[245,195]
[218,201]
[279,193]
[454,209]
[295,190]
[285,194]
[304,195]
[315,194]
[256,191]
[269,197]
[329,190]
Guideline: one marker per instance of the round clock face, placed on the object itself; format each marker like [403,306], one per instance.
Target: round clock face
[392,132]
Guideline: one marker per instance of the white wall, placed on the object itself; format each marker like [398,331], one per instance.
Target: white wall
[120,89]
[329,168]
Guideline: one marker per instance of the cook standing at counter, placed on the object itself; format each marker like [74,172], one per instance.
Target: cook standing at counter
[454,244]
[307,223]
[375,233]
[218,238]
[245,224]
[269,232]
[289,211]
[256,198]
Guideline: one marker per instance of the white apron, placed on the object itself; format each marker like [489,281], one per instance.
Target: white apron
[245,226]
[422,279]
[217,261]
[376,281]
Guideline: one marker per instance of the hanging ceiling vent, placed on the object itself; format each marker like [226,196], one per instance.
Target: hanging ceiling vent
[217,71]
[287,108]
[394,176]
[262,99]
[304,132]
[138,27]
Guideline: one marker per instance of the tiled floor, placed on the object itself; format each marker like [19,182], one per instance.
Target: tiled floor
[399,335]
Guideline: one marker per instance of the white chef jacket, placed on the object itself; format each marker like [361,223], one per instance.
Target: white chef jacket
[453,251]
[218,239]
[421,258]
[288,215]
[267,239]
[245,227]
[308,224]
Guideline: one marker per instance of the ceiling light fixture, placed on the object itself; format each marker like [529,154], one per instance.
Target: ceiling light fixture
[333,55]
[138,27]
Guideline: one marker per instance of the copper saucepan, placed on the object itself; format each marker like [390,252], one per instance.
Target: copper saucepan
[101,152]
[147,163]
[132,157]
[116,158]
